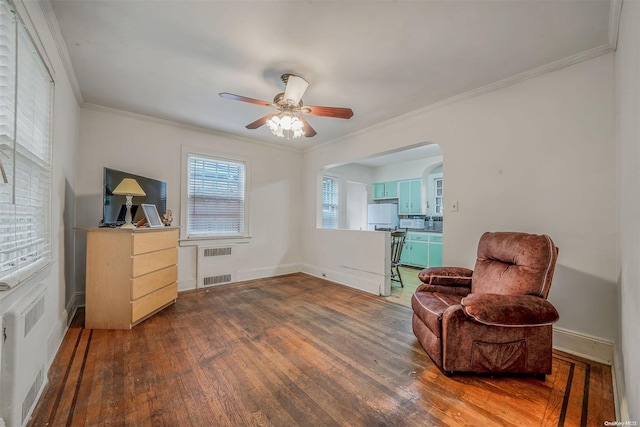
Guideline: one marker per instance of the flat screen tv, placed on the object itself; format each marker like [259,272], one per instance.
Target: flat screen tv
[114,208]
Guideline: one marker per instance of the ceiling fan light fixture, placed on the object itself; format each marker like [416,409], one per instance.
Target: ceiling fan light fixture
[296,86]
[286,125]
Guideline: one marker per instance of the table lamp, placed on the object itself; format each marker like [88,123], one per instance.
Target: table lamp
[128,187]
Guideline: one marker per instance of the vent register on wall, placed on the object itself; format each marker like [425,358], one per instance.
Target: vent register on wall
[22,373]
[216,265]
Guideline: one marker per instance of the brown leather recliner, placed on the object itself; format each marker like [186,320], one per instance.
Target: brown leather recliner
[495,318]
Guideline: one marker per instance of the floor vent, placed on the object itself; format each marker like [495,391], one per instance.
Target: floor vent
[216,265]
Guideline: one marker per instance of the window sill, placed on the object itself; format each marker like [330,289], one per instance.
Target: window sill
[34,273]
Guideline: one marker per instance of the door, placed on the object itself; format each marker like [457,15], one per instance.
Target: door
[356,206]
[435,254]
[418,255]
[404,197]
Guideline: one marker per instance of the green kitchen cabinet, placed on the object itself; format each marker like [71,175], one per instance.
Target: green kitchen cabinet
[385,190]
[422,250]
[410,197]
[435,254]
[405,255]
[419,253]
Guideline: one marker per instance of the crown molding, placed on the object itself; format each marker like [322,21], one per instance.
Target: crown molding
[491,87]
[185,126]
[61,46]
[615,11]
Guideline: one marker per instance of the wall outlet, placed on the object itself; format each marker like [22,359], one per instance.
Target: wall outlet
[453,206]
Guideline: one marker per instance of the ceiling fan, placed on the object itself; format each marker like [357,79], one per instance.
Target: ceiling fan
[289,122]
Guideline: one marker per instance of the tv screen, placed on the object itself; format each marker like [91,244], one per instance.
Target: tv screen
[114,208]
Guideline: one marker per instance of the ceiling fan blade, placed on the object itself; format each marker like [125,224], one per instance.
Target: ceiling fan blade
[245,99]
[261,121]
[308,130]
[335,112]
[296,86]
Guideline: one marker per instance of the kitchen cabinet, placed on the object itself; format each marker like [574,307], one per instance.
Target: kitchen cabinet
[435,251]
[385,190]
[422,250]
[410,197]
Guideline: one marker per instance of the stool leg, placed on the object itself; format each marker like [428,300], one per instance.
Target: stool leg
[399,276]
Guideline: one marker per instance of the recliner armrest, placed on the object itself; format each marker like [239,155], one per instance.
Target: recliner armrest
[452,276]
[509,310]
[447,280]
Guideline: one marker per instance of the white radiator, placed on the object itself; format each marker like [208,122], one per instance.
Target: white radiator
[22,373]
[216,265]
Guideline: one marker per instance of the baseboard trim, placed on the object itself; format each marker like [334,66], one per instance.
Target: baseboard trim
[342,278]
[619,389]
[261,273]
[81,300]
[583,345]
[187,284]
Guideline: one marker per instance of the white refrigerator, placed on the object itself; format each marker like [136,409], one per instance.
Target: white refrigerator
[382,215]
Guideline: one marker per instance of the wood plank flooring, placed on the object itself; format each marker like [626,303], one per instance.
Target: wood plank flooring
[402,295]
[295,351]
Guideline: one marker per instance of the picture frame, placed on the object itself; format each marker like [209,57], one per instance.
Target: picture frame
[151,213]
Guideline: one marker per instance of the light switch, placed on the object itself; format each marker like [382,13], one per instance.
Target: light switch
[453,206]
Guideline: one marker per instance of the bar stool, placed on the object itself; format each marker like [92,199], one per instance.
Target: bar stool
[397,243]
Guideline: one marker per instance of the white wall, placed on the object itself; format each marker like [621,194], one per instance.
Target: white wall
[152,148]
[537,156]
[628,139]
[59,278]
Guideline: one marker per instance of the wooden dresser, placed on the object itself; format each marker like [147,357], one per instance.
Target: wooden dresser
[131,275]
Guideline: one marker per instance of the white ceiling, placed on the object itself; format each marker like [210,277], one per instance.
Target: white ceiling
[170,59]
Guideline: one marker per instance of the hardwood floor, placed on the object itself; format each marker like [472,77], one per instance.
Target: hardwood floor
[295,350]
[402,295]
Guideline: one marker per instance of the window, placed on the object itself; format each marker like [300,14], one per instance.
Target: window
[26,94]
[216,202]
[329,202]
[437,193]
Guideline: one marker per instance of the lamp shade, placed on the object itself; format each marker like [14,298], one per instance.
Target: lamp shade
[129,187]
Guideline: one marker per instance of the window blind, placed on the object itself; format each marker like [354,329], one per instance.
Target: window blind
[216,198]
[329,202]
[26,93]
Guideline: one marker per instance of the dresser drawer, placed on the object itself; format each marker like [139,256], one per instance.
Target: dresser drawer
[146,305]
[435,238]
[142,285]
[152,261]
[148,241]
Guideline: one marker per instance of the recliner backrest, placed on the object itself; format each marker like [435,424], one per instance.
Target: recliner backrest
[514,263]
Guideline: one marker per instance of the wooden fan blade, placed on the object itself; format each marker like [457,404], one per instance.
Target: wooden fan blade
[308,130]
[245,99]
[261,121]
[335,112]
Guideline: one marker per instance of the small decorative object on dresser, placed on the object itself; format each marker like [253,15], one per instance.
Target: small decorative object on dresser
[151,213]
[167,218]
